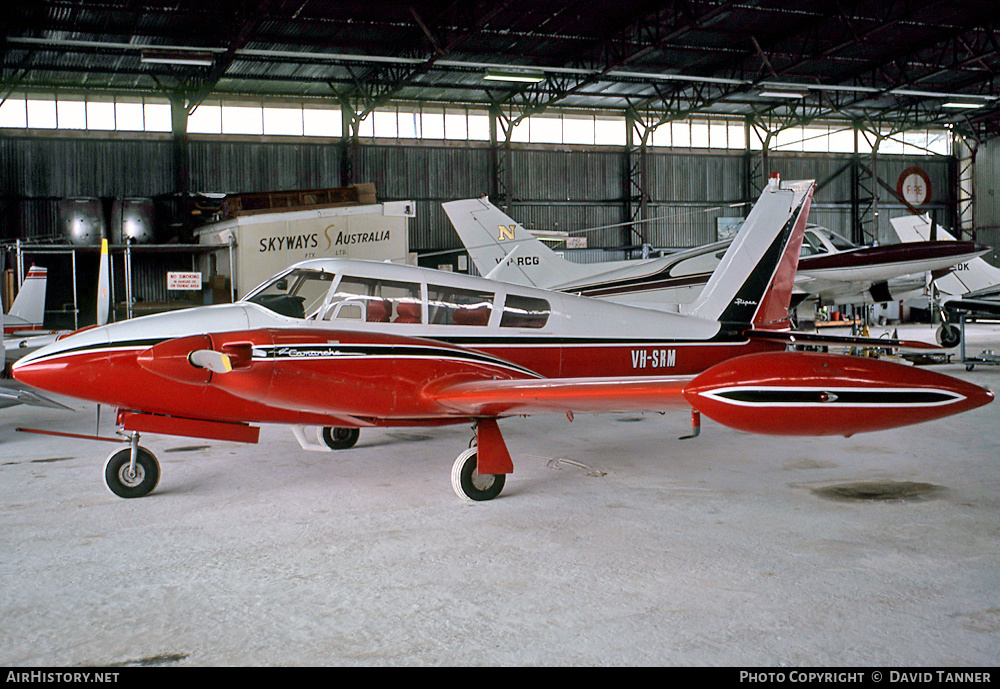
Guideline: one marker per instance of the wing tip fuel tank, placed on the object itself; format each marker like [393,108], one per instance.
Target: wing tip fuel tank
[805,394]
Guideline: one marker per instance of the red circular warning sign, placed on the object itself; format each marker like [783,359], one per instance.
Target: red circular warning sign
[914,186]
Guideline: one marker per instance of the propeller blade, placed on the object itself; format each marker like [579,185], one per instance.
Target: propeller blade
[216,362]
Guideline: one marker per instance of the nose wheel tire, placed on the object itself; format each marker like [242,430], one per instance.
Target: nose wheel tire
[338,438]
[124,482]
[469,484]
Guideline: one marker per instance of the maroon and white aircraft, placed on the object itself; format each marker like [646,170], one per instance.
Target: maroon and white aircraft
[831,269]
[342,345]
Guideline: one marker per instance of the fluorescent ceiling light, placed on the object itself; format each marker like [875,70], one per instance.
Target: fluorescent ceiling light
[783,94]
[177,57]
[961,106]
[525,77]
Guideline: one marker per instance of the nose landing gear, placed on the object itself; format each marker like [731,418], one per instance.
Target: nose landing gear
[132,472]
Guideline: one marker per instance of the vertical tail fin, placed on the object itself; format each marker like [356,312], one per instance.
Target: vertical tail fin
[501,248]
[753,282]
[28,310]
[103,291]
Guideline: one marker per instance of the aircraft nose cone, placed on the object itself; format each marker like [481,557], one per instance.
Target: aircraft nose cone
[69,366]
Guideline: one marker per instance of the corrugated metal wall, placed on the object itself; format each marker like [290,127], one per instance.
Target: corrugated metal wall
[986,204]
[564,189]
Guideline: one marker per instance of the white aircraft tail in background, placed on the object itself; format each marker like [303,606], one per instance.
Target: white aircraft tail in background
[28,310]
[501,249]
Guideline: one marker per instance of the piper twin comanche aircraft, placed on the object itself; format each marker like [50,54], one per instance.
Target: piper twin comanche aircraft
[831,269]
[346,344]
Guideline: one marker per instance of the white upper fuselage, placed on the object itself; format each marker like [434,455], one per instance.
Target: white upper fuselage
[568,317]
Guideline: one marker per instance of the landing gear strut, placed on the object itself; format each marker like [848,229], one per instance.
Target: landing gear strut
[132,472]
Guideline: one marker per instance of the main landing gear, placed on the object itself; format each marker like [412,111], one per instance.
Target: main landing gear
[480,472]
[469,484]
[339,438]
[132,472]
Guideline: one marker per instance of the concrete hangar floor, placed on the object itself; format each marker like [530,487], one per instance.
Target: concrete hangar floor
[614,543]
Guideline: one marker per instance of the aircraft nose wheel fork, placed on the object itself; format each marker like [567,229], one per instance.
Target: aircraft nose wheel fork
[132,472]
[469,484]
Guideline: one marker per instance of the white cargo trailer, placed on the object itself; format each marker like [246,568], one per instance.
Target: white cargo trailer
[262,244]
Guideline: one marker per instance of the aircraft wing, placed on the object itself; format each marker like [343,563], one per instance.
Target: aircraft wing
[12,393]
[538,395]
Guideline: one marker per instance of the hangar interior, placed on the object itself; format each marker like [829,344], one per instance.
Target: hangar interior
[640,126]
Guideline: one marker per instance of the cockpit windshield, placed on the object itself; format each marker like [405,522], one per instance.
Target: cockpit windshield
[296,293]
[841,243]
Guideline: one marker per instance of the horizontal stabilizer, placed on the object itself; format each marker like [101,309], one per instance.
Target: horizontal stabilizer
[821,340]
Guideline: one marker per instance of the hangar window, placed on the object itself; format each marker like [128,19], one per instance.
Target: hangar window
[283,121]
[449,122]
[318,121]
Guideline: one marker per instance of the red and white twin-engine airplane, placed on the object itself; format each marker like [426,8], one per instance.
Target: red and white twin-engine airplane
[342,344]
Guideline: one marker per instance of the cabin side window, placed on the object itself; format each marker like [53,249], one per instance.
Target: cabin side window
[524,312]
[454,306]
[375,301]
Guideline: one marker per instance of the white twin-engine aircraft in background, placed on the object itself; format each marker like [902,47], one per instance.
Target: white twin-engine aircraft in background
[343,344]
[971,290]
[831,269]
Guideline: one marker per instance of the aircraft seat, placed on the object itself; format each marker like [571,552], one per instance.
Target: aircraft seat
[479,315]
[378,311]
[407,312]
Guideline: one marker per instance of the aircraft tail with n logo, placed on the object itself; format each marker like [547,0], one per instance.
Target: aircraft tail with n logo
[753,282]
[502,249]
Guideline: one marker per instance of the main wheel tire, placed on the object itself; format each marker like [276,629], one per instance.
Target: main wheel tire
[469,484]
[126,485]
[949,335]
[339,438]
